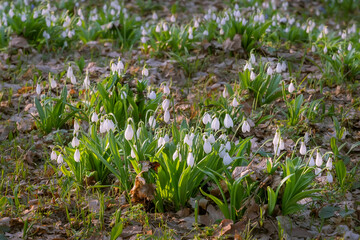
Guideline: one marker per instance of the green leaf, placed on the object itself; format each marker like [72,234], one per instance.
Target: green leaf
[328,212]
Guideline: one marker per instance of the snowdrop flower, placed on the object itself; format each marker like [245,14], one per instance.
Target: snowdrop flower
[211,139]
[166,90]
[325,50]
[165,27]
[283,66]
[190,159]
[23,17]
[38,89]
[245,127]
[276,139]
[70,72]
[317,171]
[215,124]
[205,33]
[222,31]
[329,177]
[76,126]
[349,47]
[228,122]
[94,117]
[329,164]
[152,122]
[313,49]
[225,93]
[282,144]
[129,132]
[77,155]
[278,68]
[46,35]
[248,66]
[252,76]
[145,72]
[311,162]
[167,116]
[196,24]
[102,127]
[161,142]
[207,147]
[165,104]
[60,159]
[252,59]
[109,125]
[132,153]
[87,82]
[206,118]
[152,95]
[228,146]
[302,148]
[234,103]
[269,71]
[190,36]
[11,13]
[175,155]
[227,159]
[75,142]
[188,139]
[291,88]
[53,155]
[318,160]
[172,19]
[73,79]
[154,16]
[222,151]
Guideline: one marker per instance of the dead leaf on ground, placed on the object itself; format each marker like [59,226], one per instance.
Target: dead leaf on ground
[142,191]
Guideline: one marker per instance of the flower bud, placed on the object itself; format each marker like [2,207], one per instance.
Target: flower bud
[215,124]
[302,148]
[319,160]
[60,159]
[53,155]
[75,142]
[94,117]
[38,89]
[129,132]
[245,127]
[152,95]
[207,146]
[77,155]
[190,159]
[228,122]
[167,116]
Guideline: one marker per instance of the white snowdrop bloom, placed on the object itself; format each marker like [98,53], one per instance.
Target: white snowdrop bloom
[190,159]
[145,72]
[252,59]
[166,138]
[102,127]
[343,35]
[228,146]
[76,126]
[313,49]
[53,155]
[211,139]
[175,155]
[152,122]
[222,151]
[225,93]
[70,72]
[165,104]
[228,122]
[302,148]
[329,177]
[269,71]
[11,13]
[152,95]
[223,136]
[277,149]
[234,103]
[317,171]
[87,82]
[154,16]
[329,164]
[227,159]
[318,160]
[129,132]
[73,79]
[167,116]
[46,35]
[120,66]
[207,146]
[283,66]
[325,50]
[166,90]
[109,125]
[36,14]
[143,39]
[94,117]
[245,127]
[165,27]
[205,33]
[77,155]
[138,132]
[190,36]
[281,144]
[248,66]
[222,31]
[252,76]
[215,124]
[23,17]
[75,142]
[196,24]
[113,67]
[38,89]
[172,19]
[60,159]
[161,142]
[132,153]
[311,162]
[291,88]
[349,47]
[278,68]
[276,139]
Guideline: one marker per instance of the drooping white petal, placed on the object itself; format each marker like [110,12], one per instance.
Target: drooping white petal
[215,124]
[167,116]
[77,155]
[53,155]
[329,164]
[302,148]
[190,159]
[129,132]
[318,160]
[228,122]
[207,146]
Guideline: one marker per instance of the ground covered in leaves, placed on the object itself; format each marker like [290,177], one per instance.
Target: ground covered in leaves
[179,119]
